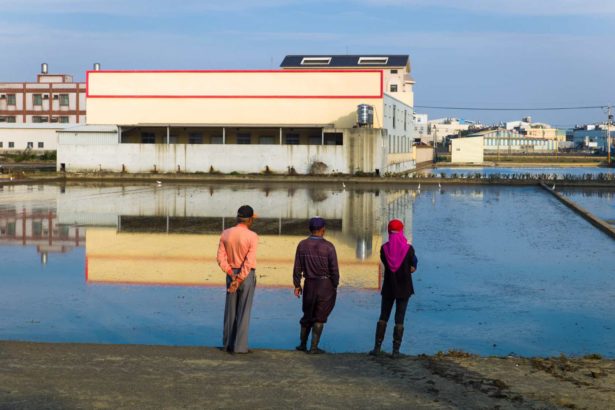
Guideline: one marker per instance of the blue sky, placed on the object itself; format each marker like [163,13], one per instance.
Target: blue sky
[470,53]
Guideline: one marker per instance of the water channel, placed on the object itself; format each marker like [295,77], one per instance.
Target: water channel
[502,270]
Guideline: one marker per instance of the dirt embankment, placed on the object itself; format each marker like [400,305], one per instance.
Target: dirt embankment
[66,376]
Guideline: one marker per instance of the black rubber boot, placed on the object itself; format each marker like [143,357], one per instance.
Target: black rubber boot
[381,328]
[398,334]
[305,333]
[316,332]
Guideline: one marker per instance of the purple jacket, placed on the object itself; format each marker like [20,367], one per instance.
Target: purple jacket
[316,259]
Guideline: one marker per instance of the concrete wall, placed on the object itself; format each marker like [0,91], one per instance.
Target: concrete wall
[281,97]
[467,150]
[423,154]
[199,158]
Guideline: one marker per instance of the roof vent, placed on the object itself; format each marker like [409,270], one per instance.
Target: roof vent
[373,60]
[316,61]
[96,66]
[44,68]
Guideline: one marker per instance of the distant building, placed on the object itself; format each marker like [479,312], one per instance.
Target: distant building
[318,114]
[468,150]
[536,130]
[53,98]
[512,141]
[592,137]
[440,129]
[35,137]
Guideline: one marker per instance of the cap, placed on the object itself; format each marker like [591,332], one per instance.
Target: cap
[395,225]
[245,211]
[316,223]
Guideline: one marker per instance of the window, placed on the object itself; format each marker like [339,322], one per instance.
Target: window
[244,138]
[11,118]
[11,144]
[316,61]
[30,145]
[334,138]
[63,100]
[292,139]
[38,119]
[394,111]
[216,139]
[148,138]
[1,144]
[11,100]
[195,138]
[37,99]
[405,119]
[393,88]
[64,119]
[41,145]
[265,139]
[393,71]
[373,60]
[315,139]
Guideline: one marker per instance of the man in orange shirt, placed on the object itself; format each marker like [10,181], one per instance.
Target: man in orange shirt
[237,257]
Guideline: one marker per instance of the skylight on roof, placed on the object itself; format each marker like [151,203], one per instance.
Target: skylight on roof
[373,60]
[316,61]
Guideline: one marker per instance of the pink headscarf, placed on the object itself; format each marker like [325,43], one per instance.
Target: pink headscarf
[396,248]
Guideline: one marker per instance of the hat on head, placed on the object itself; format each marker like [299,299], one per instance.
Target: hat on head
[245,211]
[395,225]
[316,223]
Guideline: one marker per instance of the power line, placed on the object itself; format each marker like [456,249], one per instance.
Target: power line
[585,107]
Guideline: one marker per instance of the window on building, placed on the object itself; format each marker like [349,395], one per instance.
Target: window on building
[244,138]
[63,100]
[195,138]
[405,119]
[266,139]
[1,144]
[316,61]
[41,145]
[11,118]
[39,118]
[11,99]
[64,119]
[11,144]
[315,139]
[334,138]
[292,139]
[373,60]
[148,138]
[393,71]
[394,111]
[37,99]
[393,88]
[30,145]
[216,139]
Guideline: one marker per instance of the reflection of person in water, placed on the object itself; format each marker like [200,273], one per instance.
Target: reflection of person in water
[316,259]
[237,257]
[400,262]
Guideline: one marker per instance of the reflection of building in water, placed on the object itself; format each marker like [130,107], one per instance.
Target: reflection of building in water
[356,219]
[38,227]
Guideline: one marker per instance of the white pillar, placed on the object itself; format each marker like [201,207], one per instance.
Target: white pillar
[223,135]
[168,135]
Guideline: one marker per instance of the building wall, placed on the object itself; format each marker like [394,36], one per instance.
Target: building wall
[20,138]
[423,154]
[281,97]
[467,150]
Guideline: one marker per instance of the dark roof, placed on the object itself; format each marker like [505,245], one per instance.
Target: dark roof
[346,60]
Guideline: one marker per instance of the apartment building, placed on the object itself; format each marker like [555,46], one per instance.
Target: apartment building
[52,98]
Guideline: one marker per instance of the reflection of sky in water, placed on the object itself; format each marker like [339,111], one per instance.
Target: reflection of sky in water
[600,202]
[502,269]
[559,171]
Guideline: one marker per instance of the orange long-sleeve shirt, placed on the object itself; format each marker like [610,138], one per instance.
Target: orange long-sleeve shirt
[238,245]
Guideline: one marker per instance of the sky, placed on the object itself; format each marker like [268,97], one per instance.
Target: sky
[464,53]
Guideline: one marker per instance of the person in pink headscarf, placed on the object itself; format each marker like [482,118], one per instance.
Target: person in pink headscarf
[399,261]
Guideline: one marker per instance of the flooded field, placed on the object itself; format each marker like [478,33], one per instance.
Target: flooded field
[502,270]
[559,172]
[600,202]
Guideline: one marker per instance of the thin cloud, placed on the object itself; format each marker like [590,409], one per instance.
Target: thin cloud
[519,7]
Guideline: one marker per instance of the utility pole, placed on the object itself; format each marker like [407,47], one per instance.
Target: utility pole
[608,136]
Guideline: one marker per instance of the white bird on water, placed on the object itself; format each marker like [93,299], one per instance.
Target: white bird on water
[439,186]
[419,187]
[553,187]
[343,185]
[159,182]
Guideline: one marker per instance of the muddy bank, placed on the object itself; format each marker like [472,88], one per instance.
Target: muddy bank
[66,376]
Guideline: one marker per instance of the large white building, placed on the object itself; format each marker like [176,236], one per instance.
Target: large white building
[302,118]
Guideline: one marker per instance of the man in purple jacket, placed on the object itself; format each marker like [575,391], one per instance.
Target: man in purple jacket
[316,260]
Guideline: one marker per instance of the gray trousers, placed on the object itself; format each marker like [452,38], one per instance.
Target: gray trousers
[237,314]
